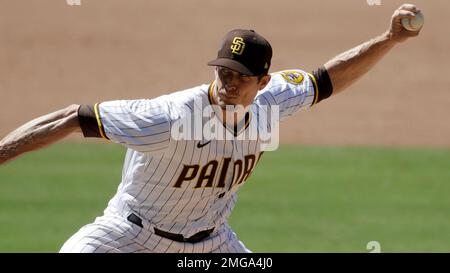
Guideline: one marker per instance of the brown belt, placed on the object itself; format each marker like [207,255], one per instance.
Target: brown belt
[197,237]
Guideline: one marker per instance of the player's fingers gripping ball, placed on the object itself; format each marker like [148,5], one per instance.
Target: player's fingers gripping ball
[414,23]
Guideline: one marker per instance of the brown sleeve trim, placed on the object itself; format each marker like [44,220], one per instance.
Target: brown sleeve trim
[90,122]
[324,83]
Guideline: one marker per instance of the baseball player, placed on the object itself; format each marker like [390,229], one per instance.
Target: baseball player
[178,188]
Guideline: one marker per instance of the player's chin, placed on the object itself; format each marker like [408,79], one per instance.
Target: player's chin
[229,105]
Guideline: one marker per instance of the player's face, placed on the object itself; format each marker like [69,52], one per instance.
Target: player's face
[234,88]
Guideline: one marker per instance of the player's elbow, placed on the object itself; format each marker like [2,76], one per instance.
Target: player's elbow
[70,115]
[72,109]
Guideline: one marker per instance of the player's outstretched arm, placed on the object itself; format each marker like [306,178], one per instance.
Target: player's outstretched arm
[348,67]
[39,133]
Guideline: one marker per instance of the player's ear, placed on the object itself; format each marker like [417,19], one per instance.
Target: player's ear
[264,81]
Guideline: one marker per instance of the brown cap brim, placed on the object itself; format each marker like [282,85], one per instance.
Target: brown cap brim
[231,64]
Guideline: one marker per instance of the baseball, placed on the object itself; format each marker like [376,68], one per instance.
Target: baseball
[413,24]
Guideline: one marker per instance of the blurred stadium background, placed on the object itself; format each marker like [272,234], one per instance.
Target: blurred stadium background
[371,164]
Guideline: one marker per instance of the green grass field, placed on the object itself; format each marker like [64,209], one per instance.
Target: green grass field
[299,199]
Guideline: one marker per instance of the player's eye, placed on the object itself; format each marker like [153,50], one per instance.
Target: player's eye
[244,78]
[223,70]
[225,74]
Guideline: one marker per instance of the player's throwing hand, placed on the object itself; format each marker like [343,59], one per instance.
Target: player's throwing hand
[397,32]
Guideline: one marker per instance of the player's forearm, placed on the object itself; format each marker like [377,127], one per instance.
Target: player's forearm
[348,67]
[39,133]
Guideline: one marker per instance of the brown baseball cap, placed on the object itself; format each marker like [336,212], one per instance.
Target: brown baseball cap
[244,51]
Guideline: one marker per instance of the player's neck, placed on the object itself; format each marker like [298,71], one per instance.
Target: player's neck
[232,117]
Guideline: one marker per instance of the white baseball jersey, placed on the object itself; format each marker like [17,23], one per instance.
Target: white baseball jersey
[183,186]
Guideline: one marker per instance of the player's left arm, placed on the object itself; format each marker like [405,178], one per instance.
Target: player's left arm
[346,68]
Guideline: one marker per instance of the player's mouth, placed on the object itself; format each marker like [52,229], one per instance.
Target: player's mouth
[223,94]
